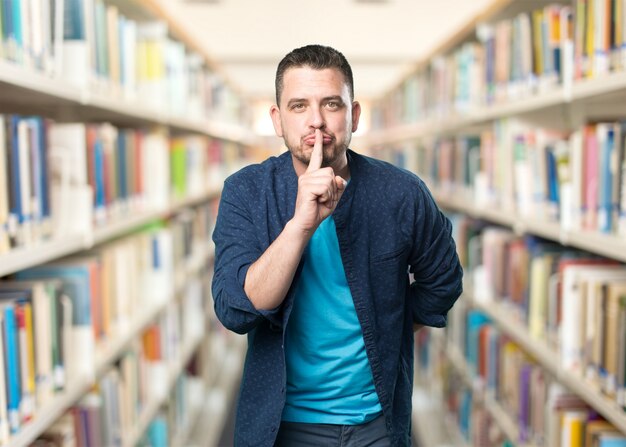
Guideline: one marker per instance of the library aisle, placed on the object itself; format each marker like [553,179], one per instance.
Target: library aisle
[121,119]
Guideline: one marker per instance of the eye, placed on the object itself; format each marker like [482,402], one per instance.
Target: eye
[297,106]
[332,105]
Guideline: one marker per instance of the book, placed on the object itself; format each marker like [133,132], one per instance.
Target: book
[70,195]
[621,355]
[110,389]
[75,48]
[4,417]
[573,325]
[573,428]
[23,314]
[158,432]
[4,189]
[45,331]
[16,217]
[76,280]
[12,366]
[596,428]
[611,336]
[606,205]
[611,440]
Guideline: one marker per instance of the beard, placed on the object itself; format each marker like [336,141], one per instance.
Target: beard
[331,152]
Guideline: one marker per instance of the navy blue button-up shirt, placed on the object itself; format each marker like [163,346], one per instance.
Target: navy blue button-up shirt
[387,225]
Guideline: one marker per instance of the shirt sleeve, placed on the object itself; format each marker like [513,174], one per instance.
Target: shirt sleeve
[434,263]
[236,248]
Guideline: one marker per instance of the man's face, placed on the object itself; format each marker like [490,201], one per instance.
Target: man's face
[315,99]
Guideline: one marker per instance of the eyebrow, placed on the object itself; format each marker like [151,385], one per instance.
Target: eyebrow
[337,98]
[333,98]
[295,100]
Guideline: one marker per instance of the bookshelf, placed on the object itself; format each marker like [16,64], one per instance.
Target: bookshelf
[187,121]
[22,258]
[27,91]
[601,244]
[153,406]
[608,92]
[471,120]
[109,232]
[549,360]
[428,401]
[106,355]
[491,405]
[443,433]
[222,392]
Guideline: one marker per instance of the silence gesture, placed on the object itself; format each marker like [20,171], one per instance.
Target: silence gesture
[319,190]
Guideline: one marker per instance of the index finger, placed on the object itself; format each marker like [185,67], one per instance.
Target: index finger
[317,155]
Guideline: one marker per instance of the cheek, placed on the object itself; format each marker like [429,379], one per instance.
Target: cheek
[291,126]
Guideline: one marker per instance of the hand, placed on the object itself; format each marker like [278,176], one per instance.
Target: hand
[319,190]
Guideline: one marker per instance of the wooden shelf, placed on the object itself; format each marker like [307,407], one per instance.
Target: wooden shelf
[503,419]
[49,250]
[24,91]
[529,104]
[42,251]
[19,84]
[609,88]
[549,360]
[609,83]
[598,243]
[611,246]
[125,225]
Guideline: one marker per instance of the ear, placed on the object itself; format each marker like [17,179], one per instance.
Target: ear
[356,114]
[275,115]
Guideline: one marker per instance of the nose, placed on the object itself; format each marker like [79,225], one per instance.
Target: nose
[316,118]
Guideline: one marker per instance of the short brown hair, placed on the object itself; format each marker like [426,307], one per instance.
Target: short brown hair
[317,57]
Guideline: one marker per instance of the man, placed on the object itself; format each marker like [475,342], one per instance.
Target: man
[313,254]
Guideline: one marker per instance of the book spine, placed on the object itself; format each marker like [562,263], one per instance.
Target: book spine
[12,368]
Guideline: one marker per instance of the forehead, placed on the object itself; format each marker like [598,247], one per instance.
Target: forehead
[303,82]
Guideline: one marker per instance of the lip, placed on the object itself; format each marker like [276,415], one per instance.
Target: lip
[310,140]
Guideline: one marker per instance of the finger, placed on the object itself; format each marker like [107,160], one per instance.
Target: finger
[333,190]
[322,172]
[341,183]
[317,155]
[320,191]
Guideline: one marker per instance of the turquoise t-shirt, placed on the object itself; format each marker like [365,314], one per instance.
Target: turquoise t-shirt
[329,379]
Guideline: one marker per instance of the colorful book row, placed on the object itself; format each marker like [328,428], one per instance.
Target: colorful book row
[574,179]
[513,58]
[110,412]
[573,301]
[501,397]
[65,178]
[96,46]
[57,316]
